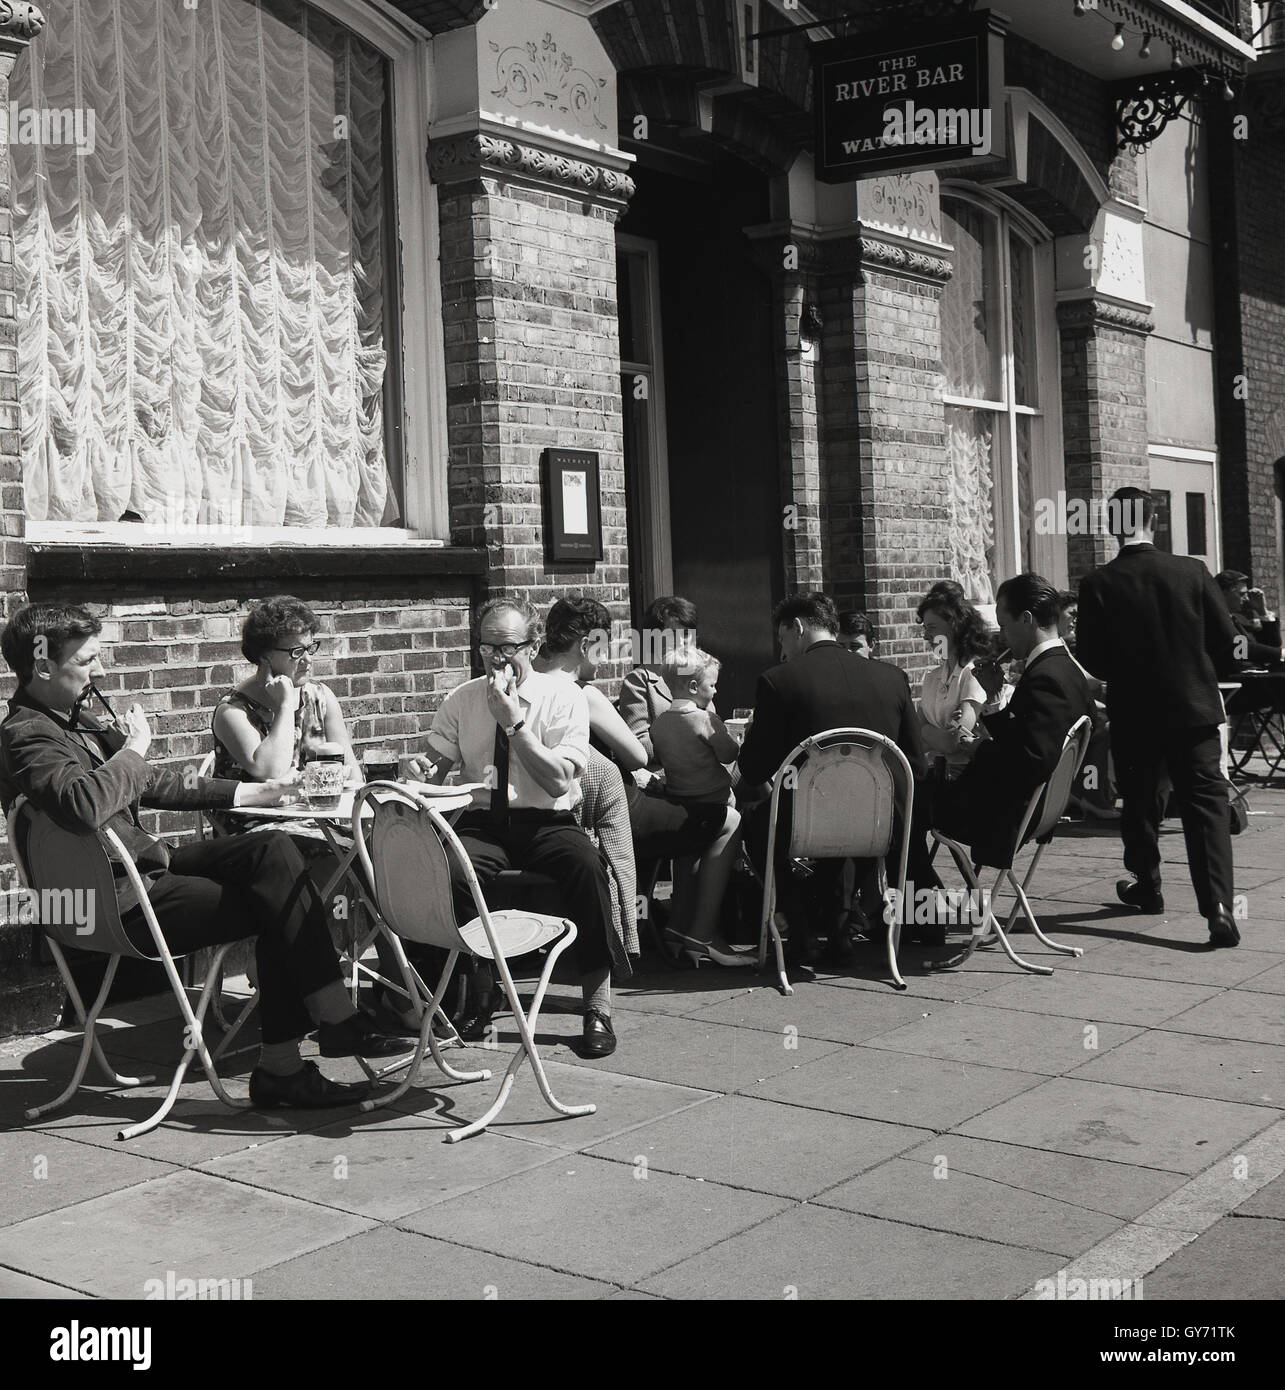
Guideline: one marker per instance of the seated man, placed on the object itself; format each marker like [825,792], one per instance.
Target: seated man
[1258,631]
[85,774]
[525,737]
[984,807]
[820,686]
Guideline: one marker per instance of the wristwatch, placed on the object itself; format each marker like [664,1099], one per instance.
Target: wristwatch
[517,728]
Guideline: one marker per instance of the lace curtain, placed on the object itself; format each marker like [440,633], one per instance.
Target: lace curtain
[969,436]
[201,296]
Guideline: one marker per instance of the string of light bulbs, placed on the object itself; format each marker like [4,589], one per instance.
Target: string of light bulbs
[1122,32]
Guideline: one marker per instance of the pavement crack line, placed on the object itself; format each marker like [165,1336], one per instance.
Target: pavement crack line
[1145,1243]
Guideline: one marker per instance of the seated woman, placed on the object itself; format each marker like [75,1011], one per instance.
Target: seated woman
[951,697]
[266,727]
[669,622]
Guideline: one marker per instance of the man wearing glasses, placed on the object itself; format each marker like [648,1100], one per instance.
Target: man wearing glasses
[525,737]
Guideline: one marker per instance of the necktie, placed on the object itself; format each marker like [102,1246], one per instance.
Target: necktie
[500,791]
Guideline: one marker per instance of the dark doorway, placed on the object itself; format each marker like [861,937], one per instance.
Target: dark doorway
[720,404]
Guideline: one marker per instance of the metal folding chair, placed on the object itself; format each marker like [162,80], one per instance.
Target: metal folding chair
[406,859]
[53,860]
[1043,811]
[850,786]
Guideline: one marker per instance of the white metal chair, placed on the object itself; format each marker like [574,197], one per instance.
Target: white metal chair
[53,860]
[849,786]
[1043,811]
[406,860]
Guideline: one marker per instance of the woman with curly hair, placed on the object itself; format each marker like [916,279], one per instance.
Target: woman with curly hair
[951,697]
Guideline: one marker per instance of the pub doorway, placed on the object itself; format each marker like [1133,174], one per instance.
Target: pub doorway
[700,408]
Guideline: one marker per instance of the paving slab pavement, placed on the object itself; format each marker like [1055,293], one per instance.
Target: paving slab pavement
[964,1139]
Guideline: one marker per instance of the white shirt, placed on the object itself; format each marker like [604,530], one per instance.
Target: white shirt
[556,711]
[1043,647]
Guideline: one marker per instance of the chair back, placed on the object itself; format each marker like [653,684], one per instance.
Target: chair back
[848,786]
[1042,819]
[406,862]
[71,874]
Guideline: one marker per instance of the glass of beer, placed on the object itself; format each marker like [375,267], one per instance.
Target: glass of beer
[323,777]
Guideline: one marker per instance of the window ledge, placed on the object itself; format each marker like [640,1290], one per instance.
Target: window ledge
[95,560]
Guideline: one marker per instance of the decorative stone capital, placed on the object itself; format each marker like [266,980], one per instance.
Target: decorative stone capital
[890,257]
[460,158]
[19,20]
[1083,315]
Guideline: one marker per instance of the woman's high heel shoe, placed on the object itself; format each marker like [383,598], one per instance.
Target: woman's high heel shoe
[698,951]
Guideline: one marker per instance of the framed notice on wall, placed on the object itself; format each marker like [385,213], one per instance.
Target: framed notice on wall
[572,515]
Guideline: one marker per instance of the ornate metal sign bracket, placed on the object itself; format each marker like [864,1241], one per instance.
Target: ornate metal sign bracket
[1145,105]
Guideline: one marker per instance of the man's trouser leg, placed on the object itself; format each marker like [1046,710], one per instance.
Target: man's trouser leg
[567,855]
[250,885]
[1193,758]
[1138,761]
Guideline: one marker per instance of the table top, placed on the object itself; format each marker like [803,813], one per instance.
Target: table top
[440,798]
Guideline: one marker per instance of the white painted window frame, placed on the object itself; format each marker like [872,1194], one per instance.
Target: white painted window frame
[423,386]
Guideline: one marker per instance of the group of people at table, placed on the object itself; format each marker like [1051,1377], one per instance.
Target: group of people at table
[656,776]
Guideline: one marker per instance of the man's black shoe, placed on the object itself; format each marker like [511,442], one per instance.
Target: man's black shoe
[474,1027]
[305,1089]
[1222,928]
[598,1039]
[358,1036]
[1134,894]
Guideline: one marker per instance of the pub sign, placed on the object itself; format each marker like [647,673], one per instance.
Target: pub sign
[886,101]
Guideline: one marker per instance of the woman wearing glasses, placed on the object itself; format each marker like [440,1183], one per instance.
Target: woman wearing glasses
[266,727]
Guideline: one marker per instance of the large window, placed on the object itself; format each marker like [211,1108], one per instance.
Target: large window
[999,354]
[209,283]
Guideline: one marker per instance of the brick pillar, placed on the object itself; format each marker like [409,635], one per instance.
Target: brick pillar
[888,485]
[1104,413]
[30,994]
[532,351]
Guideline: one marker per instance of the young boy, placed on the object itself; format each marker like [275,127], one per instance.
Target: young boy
[693,746]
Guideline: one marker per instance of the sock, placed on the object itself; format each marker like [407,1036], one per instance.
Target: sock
[330,1004]
[597,991]
[280,1059]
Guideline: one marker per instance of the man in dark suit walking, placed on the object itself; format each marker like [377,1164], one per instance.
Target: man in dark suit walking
[1154,627]
[819,686]
[985,806]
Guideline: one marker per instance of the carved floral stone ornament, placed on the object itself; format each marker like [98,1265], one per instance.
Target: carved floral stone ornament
[467,156]
[19,19]
[541,76]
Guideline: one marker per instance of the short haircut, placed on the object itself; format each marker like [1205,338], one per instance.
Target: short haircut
[1127,507]
[271,622]
[524,608]
[855,624]
[669,608]
[967,627]
[685,663]
[1067,598]
[1228,579]
[1030,593]
[813,607]
[57,623]
[572,619]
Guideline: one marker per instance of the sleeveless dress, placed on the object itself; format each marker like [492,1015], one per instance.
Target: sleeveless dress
[309,727]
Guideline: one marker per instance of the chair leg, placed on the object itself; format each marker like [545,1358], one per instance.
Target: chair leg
[87,1045]
[989,919]
[114,1077]
[1023,906]
[894,926]
[527,1024]
[426,1039]
[195,1023]
[770,924]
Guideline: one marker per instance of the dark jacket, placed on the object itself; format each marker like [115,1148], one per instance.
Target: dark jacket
[1261,645]
[827,687]
[988,801]
[1154,627]
[52,765]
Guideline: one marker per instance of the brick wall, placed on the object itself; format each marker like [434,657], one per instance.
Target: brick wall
[532,361]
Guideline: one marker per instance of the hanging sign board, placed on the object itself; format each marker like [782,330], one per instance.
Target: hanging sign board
[898,100]
[572,515]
